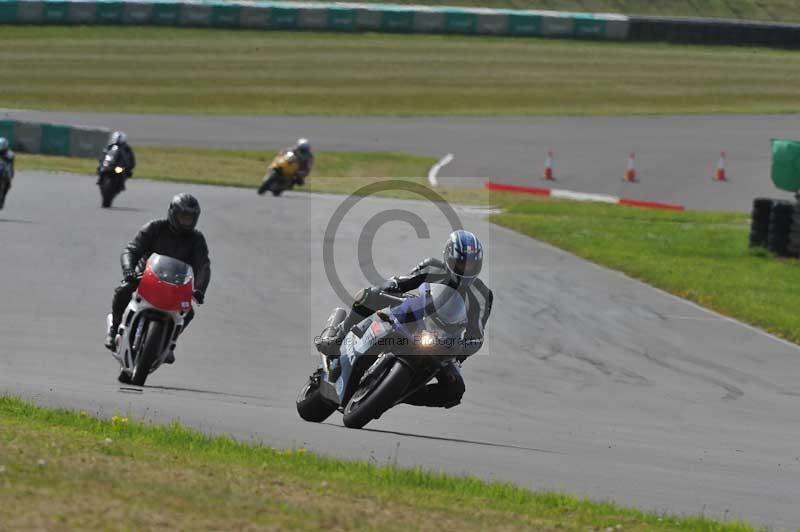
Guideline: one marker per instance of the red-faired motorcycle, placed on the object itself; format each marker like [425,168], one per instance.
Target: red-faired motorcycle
[154,318]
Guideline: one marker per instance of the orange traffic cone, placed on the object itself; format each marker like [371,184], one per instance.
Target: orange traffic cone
[548,166]
[630,172]
[719,175]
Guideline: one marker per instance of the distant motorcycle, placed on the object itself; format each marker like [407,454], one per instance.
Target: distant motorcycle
[280,174]
[5,181]
[386,360]
[111,177]
[154,318]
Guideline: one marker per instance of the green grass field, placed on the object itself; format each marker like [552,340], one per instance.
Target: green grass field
[701,256]
[69,471]
[773,10]
[171,70]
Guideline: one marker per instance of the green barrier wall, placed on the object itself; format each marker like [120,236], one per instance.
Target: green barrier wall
[323,16]
[54,139]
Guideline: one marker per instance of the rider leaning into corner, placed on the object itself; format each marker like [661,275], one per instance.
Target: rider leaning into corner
[463,259]
[7,155]
[305,159]
[175,237]
[127,159]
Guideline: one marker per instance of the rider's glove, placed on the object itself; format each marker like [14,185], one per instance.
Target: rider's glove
[198,296]
[129,275]
[390,285]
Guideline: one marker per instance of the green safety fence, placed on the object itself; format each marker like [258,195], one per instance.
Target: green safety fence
[54,139]
[316,16]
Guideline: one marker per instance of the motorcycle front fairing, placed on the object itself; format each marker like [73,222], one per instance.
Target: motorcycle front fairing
[164,294]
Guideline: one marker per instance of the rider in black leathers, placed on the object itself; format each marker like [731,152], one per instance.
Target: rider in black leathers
[126,157]
[7,156]
[463,258]
[175,237]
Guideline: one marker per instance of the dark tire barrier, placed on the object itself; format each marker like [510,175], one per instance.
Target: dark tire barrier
[713,31]
[794,233]
[780,223]
[759,225]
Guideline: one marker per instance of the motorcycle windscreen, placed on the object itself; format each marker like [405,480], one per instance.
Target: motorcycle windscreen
[167,284]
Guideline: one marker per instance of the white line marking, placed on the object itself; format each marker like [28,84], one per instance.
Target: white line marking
[436,167]
[582,196]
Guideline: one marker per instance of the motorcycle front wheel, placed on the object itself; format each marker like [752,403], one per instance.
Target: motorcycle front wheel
[376,398]
[3,191]
[151,348]
[107,191]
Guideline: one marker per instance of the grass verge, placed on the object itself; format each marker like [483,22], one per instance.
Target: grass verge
[700,256]
[334,172]
[67,470]
[302,73]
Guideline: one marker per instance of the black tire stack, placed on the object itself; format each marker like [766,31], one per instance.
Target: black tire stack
[780,224]
[775,225]
[759,227]
[794,232]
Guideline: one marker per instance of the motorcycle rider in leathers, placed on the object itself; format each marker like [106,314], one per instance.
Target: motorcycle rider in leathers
[175,237]
[126,159]
[463,259]
[7,156]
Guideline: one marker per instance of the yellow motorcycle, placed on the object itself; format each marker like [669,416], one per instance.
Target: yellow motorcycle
[281,174]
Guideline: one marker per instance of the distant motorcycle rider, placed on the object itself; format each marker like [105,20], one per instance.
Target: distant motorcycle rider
[305,160]
[125,156]
[7,156]
[463,259]
[175,237]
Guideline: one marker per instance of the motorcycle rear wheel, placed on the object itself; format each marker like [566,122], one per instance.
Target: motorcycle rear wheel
[151,348]
[360,410]
[311,406]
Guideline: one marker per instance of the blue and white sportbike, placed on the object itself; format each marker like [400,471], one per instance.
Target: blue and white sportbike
[388,356]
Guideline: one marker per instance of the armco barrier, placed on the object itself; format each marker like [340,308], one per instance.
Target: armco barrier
[271,15]
[54,139]
[316,16]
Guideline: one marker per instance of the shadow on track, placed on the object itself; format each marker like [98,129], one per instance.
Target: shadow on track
[207,392]
[128,209]
[12,221]
[456,440]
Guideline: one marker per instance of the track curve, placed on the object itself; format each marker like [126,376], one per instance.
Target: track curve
[590,382]
[675,155]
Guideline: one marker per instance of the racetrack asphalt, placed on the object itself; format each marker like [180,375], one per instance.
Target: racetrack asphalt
[676,155]
[590,382]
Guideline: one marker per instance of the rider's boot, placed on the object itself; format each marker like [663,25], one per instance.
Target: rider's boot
[170,358]
[330,339]
[111,337]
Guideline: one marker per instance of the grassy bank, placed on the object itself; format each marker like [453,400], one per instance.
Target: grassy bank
[250,72]
[334,172]
[701,256]
[773,10]
[62,470]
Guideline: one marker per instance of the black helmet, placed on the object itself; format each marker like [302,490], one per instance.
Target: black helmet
[184,210]
[463,256]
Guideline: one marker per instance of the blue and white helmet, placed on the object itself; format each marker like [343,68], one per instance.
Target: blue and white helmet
[463,256]
[3,145]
